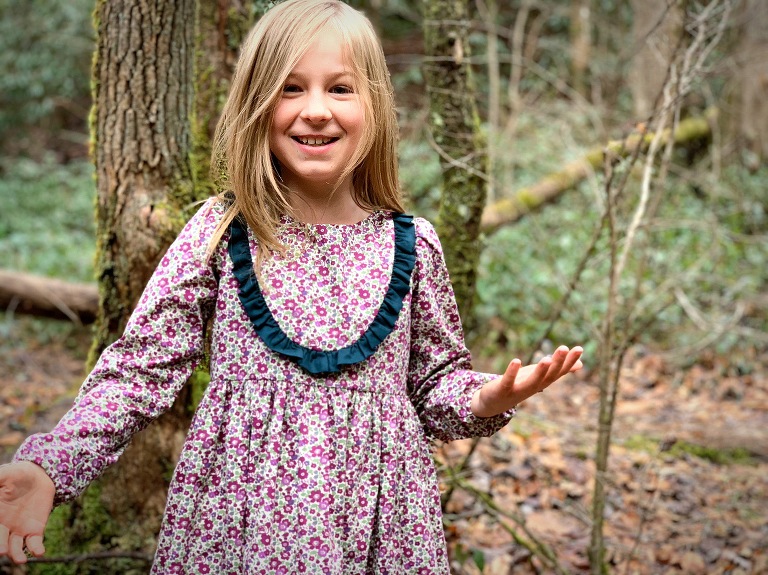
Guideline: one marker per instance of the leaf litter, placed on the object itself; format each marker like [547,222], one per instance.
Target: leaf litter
[687,489]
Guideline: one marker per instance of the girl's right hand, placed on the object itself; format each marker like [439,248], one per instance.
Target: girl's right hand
[26,500]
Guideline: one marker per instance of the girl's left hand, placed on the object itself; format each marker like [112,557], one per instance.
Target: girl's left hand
[519,383]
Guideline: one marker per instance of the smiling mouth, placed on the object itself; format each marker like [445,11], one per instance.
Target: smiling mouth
[313,141]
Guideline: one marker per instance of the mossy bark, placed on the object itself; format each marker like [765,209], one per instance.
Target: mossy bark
[222,26]
[143,77]
[455,128]
[141,142]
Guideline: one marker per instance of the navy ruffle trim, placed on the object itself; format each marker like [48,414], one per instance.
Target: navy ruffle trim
[314,361]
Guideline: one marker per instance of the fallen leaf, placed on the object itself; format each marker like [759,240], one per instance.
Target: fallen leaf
[693,564]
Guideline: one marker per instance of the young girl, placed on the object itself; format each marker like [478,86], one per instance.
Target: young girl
[336,349]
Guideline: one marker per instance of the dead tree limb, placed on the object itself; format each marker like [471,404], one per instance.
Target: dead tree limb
[526,200]
[48,297]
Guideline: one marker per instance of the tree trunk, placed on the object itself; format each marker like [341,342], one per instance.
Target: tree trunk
[656,30]
[750,119]
[222,26]
[490,13]
[454,127]
[581,44]
[143,91]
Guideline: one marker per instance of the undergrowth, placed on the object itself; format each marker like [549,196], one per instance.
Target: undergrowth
[693,272]
[47,221]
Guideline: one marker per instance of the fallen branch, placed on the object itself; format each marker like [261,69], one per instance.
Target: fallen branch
[47,297]
[526,200]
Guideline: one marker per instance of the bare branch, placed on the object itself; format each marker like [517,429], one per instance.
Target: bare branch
[85,557]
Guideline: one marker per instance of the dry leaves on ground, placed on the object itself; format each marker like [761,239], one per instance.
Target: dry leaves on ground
[688,489]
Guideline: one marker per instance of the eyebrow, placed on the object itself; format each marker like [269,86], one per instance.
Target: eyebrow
[331,76]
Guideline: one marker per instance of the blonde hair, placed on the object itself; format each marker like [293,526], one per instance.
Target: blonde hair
[243,165]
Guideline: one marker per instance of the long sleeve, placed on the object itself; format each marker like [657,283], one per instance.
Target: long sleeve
[138,377]
[441,381]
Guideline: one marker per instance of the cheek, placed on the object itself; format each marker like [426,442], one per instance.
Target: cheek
[273,141]
[277,132]
[355,121]
[282,118]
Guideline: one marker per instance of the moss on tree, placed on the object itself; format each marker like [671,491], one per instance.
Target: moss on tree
[454,124]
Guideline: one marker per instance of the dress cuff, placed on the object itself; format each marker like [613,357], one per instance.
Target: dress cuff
[485,426]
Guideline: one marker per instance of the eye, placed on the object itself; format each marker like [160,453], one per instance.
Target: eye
[291,89]
[342,89]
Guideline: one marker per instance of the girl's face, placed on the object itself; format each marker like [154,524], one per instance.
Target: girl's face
[318,122]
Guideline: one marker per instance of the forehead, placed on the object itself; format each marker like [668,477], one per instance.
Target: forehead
[327,54]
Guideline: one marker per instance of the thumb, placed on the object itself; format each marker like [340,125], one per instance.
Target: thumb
[511,373]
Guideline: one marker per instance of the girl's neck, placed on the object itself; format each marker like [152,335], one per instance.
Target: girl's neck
[325,206]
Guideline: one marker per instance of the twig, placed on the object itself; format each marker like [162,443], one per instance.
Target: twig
[532,544]
[561,305]
[458,470]
[645,514]
[83,557]
[645,193]
[455,162]
[596,551]
[614,347]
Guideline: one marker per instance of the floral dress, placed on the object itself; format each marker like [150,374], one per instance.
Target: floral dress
[330,371]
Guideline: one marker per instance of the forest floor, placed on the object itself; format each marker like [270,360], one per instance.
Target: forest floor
[687,489]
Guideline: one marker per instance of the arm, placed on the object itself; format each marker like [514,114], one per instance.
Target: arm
[138,377]
[441,381]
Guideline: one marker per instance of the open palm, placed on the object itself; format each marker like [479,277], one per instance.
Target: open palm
[26,499]
[520,382]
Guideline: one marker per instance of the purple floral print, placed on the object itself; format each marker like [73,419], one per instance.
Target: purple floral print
[283,471]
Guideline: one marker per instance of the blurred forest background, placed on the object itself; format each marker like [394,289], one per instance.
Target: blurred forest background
[623,149]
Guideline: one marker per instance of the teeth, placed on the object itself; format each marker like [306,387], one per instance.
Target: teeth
[314,141]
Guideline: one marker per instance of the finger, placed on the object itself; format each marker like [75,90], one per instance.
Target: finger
[542,367]
[511,373]
[558,359]
[35,545]
[572,359]
[538,377]
[16,549]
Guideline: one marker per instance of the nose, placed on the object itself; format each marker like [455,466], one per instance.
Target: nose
[316,108]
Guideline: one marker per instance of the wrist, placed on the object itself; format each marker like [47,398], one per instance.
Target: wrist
[479,408]
[482,407]
[38,475]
